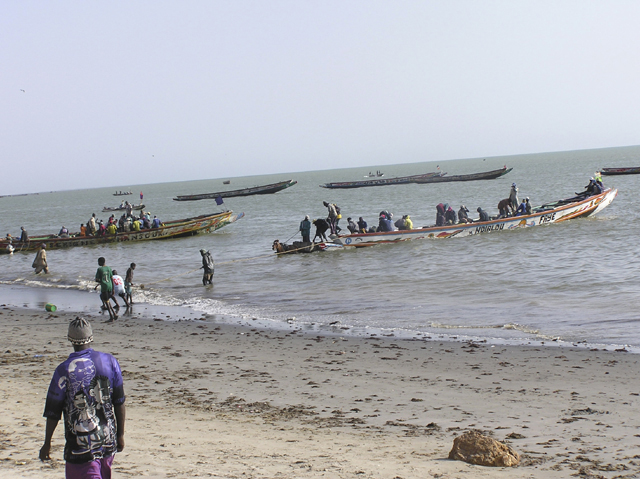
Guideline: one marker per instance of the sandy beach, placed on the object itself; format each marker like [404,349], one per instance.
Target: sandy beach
[213,400]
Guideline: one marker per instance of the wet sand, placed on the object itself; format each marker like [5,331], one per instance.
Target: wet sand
[213,400]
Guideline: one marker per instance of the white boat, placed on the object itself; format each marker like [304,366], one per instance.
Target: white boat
[556,212]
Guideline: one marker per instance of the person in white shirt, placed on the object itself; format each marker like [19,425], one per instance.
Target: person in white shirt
[118,288]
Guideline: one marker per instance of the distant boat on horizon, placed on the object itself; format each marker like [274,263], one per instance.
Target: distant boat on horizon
[256,190]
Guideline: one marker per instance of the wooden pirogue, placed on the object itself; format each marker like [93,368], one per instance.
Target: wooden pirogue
[169,229]
[256,190]
[122,208]
[400,180]
[629,170]
[485,175]
[555,212]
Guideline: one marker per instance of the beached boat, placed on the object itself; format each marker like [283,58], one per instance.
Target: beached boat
[629,170]
[169,229]
[256,190]
[122,208]
[486,175]
[556,212]
[400,180]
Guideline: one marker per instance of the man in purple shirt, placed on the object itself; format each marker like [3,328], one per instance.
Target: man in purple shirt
[87,388]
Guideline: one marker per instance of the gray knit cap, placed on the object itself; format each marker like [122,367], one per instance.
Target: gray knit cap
[80,332]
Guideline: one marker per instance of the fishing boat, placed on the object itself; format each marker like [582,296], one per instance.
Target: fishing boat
[169,229]
[122,208]
[556,212]
[486,175]
[122,193]
[256,190]
[226,182]
[302,247]
[630,170]
[400,180]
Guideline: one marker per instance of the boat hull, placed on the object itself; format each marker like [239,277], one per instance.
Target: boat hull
[487,175]
[563,212]
[258,190]
[634,170]
[173,229]
[122,208]
[402,180]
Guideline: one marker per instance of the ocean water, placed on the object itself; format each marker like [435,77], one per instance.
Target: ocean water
[570,283]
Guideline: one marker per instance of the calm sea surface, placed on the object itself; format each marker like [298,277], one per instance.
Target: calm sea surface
[568,283]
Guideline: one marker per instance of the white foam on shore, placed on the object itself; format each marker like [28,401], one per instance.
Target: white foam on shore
[150,303]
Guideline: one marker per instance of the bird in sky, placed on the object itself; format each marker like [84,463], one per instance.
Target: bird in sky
[22,90]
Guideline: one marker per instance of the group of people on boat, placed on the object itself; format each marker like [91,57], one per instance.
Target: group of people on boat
[595,186]
[127,223]
[445,215]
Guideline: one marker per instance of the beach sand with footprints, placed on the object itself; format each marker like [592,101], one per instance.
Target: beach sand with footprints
[214,400]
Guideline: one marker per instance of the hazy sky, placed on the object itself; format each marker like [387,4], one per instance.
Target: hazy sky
[126,92]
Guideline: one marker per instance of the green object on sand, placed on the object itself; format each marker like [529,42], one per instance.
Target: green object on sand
[50,307]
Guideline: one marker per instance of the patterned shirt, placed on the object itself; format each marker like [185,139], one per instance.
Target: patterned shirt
[85,388]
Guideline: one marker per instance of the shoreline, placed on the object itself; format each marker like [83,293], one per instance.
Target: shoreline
[223,400]
[72,299]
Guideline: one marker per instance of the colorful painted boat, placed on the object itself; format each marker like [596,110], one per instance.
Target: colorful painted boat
[256,190]
[169,229]
[122,208]
[122,193]
[630,170]
[401,180]
[556,212]
[486,175]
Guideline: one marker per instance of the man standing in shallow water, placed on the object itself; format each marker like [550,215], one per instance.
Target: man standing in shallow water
[208,266]
[88,389]
[128,281]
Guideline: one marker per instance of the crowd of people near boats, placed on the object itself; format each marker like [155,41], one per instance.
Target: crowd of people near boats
[445,215]
[127,223]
